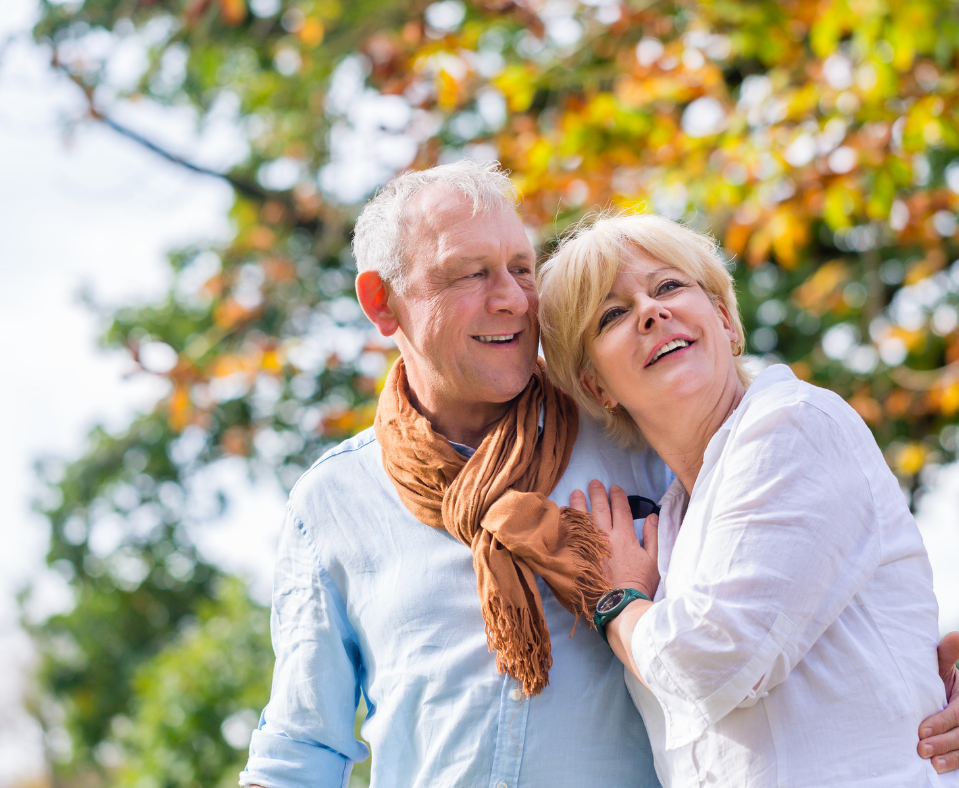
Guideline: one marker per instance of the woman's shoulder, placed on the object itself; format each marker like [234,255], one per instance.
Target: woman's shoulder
[776,391]
[785,409]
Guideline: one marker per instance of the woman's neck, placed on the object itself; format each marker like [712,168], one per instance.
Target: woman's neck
[680,431]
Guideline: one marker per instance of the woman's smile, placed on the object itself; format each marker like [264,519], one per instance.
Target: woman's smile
[675,345]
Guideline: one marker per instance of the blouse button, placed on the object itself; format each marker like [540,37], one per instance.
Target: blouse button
[514,694]
[501,784]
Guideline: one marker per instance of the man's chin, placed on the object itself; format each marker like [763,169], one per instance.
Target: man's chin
[504,387]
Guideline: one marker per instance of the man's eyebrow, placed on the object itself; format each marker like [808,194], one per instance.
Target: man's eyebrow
[479,258]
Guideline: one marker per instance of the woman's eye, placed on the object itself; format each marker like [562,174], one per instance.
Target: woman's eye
[609,316]
[669,285]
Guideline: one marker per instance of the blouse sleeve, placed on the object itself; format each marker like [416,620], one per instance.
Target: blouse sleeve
[792,537]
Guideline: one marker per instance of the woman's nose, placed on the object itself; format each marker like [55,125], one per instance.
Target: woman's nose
[650,312]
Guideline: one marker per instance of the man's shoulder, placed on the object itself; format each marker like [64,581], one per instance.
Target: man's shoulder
[344,465]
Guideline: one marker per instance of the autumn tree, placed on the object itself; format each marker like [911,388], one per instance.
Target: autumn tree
[819,142]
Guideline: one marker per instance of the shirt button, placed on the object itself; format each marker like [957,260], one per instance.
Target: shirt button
[515,694]
[501,784]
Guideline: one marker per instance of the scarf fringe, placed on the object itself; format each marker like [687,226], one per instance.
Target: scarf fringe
[522,647]
[590,547]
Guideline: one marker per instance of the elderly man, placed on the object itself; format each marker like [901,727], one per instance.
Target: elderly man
[413,549]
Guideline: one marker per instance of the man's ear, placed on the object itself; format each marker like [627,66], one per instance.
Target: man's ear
[374,297]
[596,391]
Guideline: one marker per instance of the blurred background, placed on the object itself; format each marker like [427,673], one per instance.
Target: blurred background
[180,179]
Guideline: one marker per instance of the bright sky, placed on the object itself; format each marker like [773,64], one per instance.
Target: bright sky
[93,211]
[89,211]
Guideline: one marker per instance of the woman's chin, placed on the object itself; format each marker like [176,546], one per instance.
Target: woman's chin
[669,380]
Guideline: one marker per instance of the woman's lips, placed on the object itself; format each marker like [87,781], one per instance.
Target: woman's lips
[678,348]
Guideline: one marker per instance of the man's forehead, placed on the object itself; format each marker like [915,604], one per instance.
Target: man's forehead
[446,220]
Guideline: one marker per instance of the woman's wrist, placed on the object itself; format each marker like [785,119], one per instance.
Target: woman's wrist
[619,633]
[635,585]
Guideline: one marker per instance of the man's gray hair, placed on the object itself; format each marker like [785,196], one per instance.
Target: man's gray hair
[380,233]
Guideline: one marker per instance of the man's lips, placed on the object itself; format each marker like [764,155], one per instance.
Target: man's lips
[498,339]
[670,344]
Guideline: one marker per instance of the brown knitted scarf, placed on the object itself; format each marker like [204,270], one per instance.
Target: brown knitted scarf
[496,503]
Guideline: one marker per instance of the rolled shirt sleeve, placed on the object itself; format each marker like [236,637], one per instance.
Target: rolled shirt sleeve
[779,536]
[305,735]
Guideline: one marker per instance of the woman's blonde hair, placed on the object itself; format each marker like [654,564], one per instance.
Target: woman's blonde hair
[577,277]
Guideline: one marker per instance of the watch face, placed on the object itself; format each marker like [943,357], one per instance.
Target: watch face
[609,600]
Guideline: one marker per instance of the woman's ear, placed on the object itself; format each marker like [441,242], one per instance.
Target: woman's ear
[595,389]
[726,319]
[374,297]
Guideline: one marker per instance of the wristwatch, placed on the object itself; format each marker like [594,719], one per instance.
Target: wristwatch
[611,604]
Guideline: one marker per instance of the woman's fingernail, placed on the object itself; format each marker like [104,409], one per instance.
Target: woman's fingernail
[926,750]
[939,764]
[925,733]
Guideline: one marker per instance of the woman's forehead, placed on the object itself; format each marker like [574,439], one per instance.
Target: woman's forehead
[639,265]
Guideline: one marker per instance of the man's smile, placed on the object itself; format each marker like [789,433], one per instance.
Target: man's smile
[497,339]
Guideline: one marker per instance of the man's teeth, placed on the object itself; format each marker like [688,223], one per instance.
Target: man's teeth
[506,338]
[672,345]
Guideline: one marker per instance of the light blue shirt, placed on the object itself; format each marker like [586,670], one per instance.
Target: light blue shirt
[368,599]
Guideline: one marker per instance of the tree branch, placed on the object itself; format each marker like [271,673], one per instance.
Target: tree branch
[244,187]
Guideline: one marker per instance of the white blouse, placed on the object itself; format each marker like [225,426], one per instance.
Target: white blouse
[793,637]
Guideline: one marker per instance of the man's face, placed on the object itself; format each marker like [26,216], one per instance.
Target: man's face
[467,318]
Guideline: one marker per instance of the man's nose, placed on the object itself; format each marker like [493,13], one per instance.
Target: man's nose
[506,295]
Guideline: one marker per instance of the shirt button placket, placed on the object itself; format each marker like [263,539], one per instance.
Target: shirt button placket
[510,736]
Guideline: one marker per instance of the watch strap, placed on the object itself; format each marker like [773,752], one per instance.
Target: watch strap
[602,619]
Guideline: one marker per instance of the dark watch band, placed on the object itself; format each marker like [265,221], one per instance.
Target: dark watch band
[611,604]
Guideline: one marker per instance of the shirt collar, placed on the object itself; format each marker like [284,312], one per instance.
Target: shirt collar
[469,451]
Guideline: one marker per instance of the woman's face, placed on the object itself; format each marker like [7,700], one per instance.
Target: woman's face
[657,340]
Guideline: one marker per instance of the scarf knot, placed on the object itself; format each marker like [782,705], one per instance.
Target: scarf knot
[496,503]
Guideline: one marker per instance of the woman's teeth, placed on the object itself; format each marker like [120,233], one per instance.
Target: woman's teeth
[674,344]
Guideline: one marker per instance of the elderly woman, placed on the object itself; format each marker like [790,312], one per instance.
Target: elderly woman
[779,627]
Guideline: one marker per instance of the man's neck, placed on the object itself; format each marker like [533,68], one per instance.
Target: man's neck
[467,423]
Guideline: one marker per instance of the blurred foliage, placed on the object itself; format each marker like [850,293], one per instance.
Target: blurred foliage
[818,141]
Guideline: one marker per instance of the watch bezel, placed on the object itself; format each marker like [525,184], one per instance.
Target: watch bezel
[608,601]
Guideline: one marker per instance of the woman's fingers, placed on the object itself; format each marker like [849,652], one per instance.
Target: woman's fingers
[577,501]
[651,536]
[599,505]
[622,515]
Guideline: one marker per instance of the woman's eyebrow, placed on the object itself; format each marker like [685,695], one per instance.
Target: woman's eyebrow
[651,275]
[658,271]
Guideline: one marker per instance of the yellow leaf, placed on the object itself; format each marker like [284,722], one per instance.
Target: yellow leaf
[910,459]
[312,32]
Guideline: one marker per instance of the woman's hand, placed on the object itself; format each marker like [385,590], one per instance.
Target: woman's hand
[631,565]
